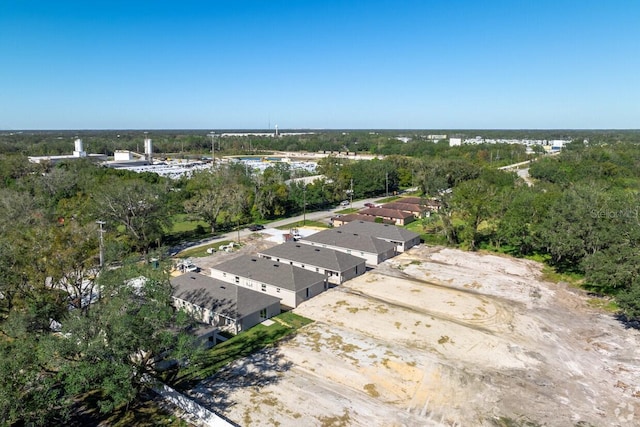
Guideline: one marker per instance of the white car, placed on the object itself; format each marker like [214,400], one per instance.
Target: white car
[344,203]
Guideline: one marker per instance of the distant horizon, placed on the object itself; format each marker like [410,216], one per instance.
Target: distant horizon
[264,130]
[380,64]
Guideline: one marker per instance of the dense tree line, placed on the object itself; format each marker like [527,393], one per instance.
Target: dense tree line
[581,215]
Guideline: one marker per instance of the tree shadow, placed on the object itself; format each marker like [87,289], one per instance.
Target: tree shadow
[253,367]
[626,322]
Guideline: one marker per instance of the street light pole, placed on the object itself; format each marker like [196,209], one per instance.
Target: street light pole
[101,231]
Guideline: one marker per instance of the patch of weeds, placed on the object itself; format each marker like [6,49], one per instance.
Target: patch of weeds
[415,291]
[315,338]
[474,285]
[415,262]
[412,363]
[348,348]
[382,309]
[451,303]
[444,339]
[510,422]
[373,356]
[418,323]
[397,325]
[247,417]
[270,401]
[343,420]
[352,310]
[334,340]
[341,302]
[426,325]
[385,363]
[605,304]
[551,275]
[482,310]
[274,422]
[371,390]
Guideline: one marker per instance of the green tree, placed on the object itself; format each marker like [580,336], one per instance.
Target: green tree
[136,206]
[114,347]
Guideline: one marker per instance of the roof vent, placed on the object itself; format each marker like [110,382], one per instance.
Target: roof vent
[317,250]
[355,234]
[297,246]
[338,231]
[254,260]
[276,265]
[223,287]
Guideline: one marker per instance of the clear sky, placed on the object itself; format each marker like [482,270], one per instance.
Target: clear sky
[252,64]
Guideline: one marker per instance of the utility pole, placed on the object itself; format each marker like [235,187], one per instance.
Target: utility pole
[101,231]
[351,194]
[213,148]
[304,204]
[386,178]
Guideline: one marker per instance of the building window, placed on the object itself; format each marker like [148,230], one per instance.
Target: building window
[317,270]
[237,279]
[264,288]
[307,292]
[278,290]
[263,313]
[224,274]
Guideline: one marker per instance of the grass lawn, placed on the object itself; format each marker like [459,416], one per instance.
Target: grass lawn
[388,199]
[242,345]
[347,211]
[306,224]
[182,224]
[201,251]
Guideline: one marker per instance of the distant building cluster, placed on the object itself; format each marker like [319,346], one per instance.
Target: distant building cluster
[259,164]
[551,145]
[171,168]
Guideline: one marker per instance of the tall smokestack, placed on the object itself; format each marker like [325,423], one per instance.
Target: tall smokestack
[78,151]
[148,150]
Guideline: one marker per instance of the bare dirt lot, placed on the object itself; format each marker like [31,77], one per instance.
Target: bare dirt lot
[439,336]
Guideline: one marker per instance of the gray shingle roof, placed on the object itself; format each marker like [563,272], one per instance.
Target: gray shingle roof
[227,299]
[390,213]
[358,217]
[313,255]
[349,240]
[382,231]
[407,207]
[270,272]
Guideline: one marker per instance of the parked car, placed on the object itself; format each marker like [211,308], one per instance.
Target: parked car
[369,205]
[256,227]
[344,203]
[186,266]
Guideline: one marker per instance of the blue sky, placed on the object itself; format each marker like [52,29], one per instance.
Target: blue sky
[251,64]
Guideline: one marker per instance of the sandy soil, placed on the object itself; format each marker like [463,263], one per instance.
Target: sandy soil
[441,337]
